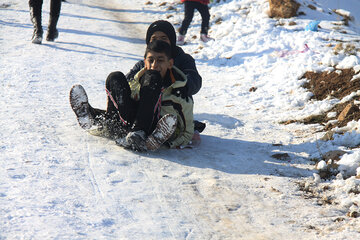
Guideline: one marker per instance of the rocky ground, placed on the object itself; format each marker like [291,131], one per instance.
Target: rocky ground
[339,84]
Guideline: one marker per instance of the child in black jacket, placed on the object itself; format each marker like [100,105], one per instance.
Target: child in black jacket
[163,30]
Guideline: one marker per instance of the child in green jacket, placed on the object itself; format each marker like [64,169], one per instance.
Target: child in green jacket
[151,110]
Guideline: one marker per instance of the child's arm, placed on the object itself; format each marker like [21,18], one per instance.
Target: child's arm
[137,67]
[194,81]
[135,85]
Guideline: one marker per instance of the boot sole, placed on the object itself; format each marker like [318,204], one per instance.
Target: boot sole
[164,129]
[80,104]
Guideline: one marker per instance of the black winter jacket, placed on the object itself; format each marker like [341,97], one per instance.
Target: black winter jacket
[185,63]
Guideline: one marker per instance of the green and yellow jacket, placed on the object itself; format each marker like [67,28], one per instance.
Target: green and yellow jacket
[174,101]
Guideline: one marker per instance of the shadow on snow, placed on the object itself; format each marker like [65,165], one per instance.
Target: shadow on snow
[236,157]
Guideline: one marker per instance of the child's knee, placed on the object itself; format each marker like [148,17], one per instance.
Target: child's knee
[115,79]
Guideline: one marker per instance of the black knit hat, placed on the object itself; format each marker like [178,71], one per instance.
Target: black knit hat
[162,26]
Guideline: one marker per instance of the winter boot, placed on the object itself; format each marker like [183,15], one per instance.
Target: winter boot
[199,126]
[80,104]
[180,40]
[134,140]
[53,33]
[35,14]
[205,38]
[164,129]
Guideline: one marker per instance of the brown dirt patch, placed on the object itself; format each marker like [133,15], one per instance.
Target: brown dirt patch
[336,84]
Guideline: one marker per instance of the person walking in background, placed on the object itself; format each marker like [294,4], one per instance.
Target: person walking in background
[35,13]
[189,7]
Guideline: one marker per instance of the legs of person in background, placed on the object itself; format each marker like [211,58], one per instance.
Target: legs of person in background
[205,16]
[189,8]
[35,14]
[180,40]
[36,17]
[55,7]
[205,38]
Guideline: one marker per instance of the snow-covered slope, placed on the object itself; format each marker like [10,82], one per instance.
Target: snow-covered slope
[58,182]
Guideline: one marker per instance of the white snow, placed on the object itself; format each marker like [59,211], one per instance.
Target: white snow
[331,114]
[342,12]
[348,62]
[58,182]
[357,68]
[349,163]
[321,165]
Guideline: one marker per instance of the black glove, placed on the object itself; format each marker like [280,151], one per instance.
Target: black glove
[181,92]
[199,126]
[136,141]
[150,77]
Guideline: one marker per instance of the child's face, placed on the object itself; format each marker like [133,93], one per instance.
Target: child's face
[158,35]
[158,62]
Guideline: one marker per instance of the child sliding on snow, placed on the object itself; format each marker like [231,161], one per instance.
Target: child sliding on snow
[151,110]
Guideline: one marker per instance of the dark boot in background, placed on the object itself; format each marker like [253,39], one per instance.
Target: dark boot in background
[35,14]
[53,33]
